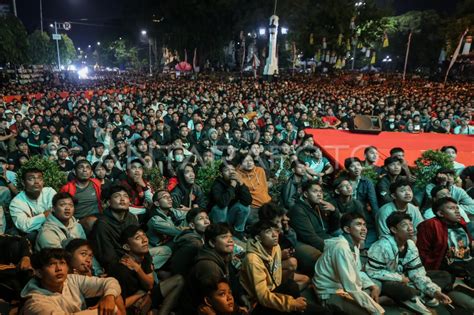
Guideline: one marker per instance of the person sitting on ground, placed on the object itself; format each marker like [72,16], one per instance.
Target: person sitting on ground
[291,190]
[105,236]
[452,152]
[393,169]
[230,200]
[371,155]
[187,244]
[400,154]
[60,227]
[256,181]
[54,290]
[313,218]
[87,191]
[340,269]
[100,173]
[402,195]
[187,194]
[218,300]
[445,243]
[344,200]
[275,214]
[134,272]
[446,177]
[15,266]
[211,264]
[140,192]
[394,260]
[261,274]
[81,257]
[467,178]
[30,208]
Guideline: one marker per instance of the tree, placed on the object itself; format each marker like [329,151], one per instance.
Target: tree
[13,40]
[40,48]
[67,51]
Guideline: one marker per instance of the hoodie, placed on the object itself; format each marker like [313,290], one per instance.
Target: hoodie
[186,246]
[339,270]
[261,273]
[71,300]
[256,181]
[55,234]
[387,264]
[187,195]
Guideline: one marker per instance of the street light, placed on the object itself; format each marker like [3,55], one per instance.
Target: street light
[284,30]
[89,46]
[143,32]
[98,43]
[51,25]
[262,31]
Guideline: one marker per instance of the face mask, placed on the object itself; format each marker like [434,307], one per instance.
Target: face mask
[24,134]
[391,119]
[179,158]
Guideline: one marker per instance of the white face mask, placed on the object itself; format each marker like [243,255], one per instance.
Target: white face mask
[179,158]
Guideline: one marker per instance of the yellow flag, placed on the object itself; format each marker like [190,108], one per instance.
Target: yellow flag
[338,64]
[318,55]
[385,40]
[311,39]
[348,44]
[339,40]
[372,61]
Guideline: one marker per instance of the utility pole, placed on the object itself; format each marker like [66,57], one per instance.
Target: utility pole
[149,56]
[41,15]
[56,38]
[14,8]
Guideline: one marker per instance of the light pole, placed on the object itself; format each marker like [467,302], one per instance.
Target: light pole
[41,15]
[144,33]
[57,36]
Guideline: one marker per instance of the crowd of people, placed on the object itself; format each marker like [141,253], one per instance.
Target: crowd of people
[280,229]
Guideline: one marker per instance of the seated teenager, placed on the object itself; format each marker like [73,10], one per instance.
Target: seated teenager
[402,195]
[261,274]
[187,244]
[81,257]
[338,277]
[134,272]
[272,213]
[53,290]
[395,262]
[213,262]
[230,199]
[61,226]
[187,194]
[445,243]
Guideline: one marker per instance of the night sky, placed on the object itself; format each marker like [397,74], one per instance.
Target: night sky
[105,14]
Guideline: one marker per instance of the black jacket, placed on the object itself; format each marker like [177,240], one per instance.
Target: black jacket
[105,237]
[224,195]
[312,227]
[186,247]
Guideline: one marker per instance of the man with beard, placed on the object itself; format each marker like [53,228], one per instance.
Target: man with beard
[105,236]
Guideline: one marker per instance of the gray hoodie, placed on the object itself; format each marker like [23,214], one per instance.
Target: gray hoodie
[71,300]
[55,234]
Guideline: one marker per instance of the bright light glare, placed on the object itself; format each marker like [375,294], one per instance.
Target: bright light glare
[143,32]
[89,46]
[284,30]
[79,48]
[83,73]
[98,43]
[261,31]
[72,68]
[51,25]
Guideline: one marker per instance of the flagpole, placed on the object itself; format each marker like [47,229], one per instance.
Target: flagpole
[406,56]
[455,55]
